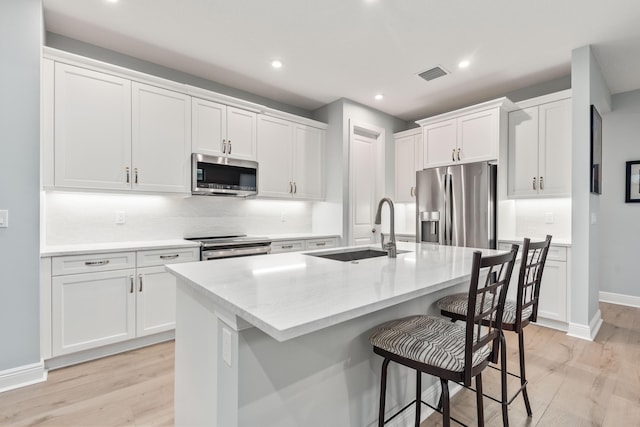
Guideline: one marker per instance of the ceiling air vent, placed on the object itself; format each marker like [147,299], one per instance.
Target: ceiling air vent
[433,73]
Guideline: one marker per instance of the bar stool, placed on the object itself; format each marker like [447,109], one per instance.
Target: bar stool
[518,313]
[438,347]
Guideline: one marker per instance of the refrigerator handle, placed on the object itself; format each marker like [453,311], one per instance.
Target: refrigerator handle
[447,210]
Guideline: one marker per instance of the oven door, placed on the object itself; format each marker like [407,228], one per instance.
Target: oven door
[218,253]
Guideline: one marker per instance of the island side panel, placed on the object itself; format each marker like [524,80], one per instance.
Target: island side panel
[328,377]
[197,359]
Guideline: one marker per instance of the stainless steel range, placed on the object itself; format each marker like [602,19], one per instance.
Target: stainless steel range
[216,247]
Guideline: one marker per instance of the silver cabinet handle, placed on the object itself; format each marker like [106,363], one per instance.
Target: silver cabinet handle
[140,279]
[321,244]
[174,256]
[96,263]
[413,191]
[128,175]
[453,155]
[534,183]
[135,172]
[458,154]
[541,183]
[131,281]
[224,146]
[229,146]
[295,187]
[290,187]
[287,246]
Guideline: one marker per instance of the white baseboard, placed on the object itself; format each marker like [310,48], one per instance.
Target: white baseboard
[22,376]
[431,396]
[619,299]
[586,332]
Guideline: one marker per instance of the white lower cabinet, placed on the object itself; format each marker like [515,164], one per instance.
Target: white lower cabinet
[298,245]
[552,302]
[101,299]
[92,309]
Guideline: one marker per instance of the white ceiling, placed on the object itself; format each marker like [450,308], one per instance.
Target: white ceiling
[354,49]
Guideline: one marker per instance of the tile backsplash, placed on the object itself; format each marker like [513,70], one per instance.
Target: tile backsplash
[539,217]
[71,218]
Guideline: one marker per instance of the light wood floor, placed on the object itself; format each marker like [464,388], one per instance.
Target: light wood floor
[572,383]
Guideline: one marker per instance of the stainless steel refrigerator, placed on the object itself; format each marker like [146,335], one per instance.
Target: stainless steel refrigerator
[456,205]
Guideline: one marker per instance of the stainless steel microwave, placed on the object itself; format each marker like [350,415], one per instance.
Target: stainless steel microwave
[222,176]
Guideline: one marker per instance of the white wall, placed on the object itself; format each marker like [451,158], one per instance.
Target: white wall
[89,217]
[588,88]
[620,221]
[21,38]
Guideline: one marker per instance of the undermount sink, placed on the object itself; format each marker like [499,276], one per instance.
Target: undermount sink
[351,254]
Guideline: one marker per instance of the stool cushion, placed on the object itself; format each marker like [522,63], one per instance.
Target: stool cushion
[457,303]
[430,340]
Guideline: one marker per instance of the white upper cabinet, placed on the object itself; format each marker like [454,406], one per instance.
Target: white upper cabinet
[110,133]
[472,134]
[408,150]
[290,158]
[540,150]
[92,129]
[161,130]
[221,130]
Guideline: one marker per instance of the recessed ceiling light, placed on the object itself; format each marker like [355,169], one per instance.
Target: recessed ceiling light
[112,1]
[378,97]
[463,64]
[276,63]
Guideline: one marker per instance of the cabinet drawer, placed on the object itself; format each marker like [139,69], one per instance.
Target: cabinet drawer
[167,256]
[321,243]
[557,253]
[287,246]
[74,264]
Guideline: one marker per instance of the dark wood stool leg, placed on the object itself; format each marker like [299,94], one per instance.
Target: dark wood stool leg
[479,402]
[383,391]
[503,375]
[446,416]
[418,396]
[523,379]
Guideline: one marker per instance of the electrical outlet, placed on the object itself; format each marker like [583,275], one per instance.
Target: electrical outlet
[4,218]
[283,217]
[121,217]
[548,218]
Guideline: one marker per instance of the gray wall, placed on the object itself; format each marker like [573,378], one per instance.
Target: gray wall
[67,44]
[588,88]
[619,220]
[20,41]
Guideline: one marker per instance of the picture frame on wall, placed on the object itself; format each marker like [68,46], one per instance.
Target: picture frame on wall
[632,192]
[596,151]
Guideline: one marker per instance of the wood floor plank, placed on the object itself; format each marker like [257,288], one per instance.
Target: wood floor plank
[572,383]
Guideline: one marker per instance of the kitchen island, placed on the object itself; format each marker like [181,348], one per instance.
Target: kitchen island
[282,340]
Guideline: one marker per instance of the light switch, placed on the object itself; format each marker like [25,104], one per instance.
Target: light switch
[594,218]
[4,218]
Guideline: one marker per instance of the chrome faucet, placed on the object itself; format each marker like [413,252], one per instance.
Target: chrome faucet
[390,247]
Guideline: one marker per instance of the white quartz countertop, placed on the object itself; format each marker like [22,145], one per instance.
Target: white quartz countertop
[293,294]
[86,248]
[519,240]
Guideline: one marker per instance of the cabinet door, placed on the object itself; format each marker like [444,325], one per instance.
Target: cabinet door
[275,140]
[523,152]
[553,291]
[155,301]
[405,148]
[241,133]
[308,165]
[92,129]
[92,309]
[209,127]
[161,139]
[439,143]
[478,136]
[554,170]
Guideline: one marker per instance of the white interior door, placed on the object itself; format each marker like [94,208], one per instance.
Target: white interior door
[366,174]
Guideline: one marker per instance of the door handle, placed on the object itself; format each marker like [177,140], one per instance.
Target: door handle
[140,279]
[128,174]
[534,183]
[224,146]
[135,171]
[131,282]
[453,155]
[541,183]
[229,146]
[458,154]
